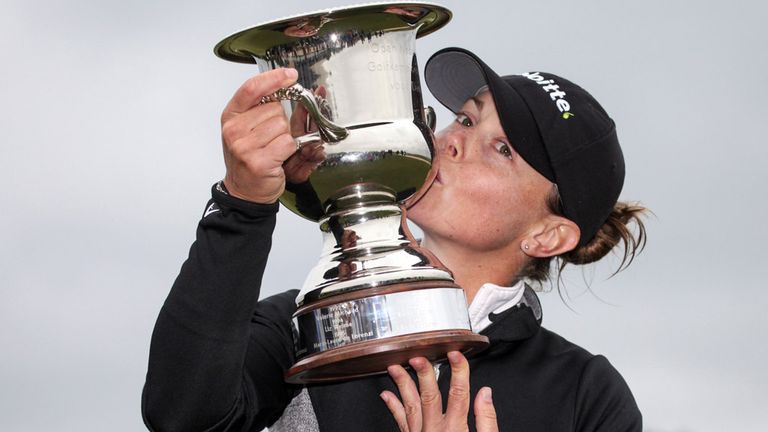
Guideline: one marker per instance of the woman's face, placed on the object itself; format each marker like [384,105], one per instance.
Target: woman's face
[485,196]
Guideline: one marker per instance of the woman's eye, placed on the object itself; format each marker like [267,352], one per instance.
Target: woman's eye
[463,119]
[504,149]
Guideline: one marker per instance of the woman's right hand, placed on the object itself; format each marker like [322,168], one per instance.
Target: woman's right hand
[257,139]
[421,408]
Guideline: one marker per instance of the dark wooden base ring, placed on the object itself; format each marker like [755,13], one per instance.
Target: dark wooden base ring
[372,357]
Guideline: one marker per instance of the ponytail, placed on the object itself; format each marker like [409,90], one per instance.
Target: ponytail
[616,230]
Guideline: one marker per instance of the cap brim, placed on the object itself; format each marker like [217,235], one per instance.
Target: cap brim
[454,75]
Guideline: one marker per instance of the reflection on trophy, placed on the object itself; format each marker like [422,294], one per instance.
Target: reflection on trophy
[376,297]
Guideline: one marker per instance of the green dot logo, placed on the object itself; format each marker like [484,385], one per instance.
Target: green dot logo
[567,115]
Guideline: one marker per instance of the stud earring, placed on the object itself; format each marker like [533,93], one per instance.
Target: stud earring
[525,246]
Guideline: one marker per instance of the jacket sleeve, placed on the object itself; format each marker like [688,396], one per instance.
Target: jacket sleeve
[604,402]
[217,356]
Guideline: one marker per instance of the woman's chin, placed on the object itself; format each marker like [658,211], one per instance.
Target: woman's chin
[416,214]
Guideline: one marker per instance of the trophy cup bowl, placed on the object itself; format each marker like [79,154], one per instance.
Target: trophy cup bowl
[376,297]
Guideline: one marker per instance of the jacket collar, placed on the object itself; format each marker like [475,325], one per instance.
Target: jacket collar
[518,322]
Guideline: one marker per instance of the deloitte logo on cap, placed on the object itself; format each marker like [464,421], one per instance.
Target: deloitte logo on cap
[554,92]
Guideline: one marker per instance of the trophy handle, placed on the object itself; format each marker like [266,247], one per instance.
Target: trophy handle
[329,131]
[430,117]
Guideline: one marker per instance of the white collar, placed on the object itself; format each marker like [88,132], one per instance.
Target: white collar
[493,298]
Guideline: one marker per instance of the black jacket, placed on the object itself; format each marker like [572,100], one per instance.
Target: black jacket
[218,354]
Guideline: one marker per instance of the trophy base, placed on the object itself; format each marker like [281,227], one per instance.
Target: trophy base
[373,357]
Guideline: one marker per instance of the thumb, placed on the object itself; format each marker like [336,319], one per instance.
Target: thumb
[250,93]
[485,413]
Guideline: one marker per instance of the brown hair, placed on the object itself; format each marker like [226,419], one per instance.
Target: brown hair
[615,230]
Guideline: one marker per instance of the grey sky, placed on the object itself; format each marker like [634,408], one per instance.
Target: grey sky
[109,143]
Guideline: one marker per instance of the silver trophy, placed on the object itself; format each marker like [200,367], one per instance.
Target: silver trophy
[376,297]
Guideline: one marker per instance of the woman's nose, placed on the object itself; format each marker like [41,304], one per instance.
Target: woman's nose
[450,144]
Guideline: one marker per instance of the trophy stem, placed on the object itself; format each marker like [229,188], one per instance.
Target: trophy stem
[367,244]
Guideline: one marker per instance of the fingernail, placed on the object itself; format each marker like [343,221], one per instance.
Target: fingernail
[487,394]
[454,357]
[416,363]
[291,73]
[383,396]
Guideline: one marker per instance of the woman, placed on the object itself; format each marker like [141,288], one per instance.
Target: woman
[530,171]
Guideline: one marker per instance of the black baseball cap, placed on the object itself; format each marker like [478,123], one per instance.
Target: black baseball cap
[555,125]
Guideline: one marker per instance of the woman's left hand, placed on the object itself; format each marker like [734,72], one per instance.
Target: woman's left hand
[422,411]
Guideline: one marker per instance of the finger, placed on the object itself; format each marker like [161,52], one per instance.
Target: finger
[251,121]
[485,412]
[303,156]
[310,152]
[431,402]
[321,91]
[299,120]
[267,161]
[250,93]
[259,137]
[313,152]
[303,163]
[258,153]
[458,391]
[396,408]
[280,149]
[409,394]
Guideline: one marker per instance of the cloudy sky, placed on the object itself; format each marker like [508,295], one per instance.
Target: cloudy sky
[109,143]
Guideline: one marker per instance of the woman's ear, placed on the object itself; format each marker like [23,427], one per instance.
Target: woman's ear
[554,236]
